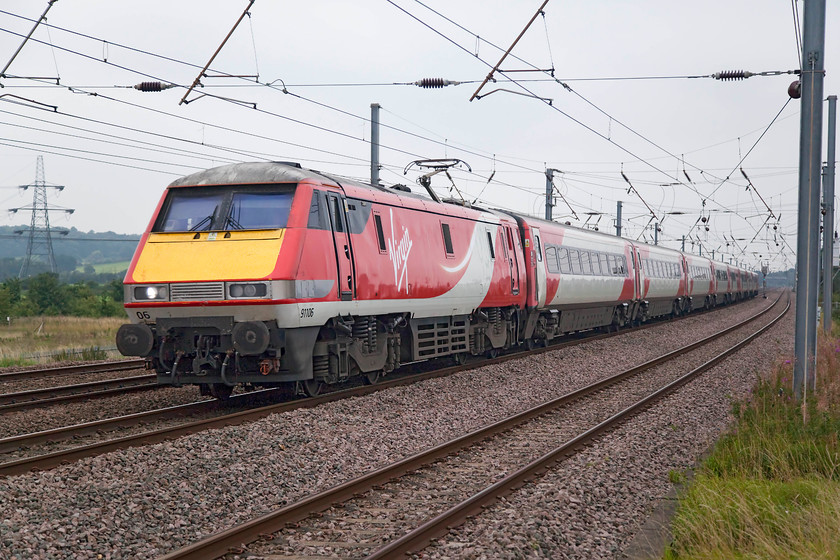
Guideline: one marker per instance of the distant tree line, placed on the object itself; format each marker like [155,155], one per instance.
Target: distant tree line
[45,294]
[73,251]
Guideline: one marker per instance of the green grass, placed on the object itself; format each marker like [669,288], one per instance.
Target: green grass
[741,518]
[28,336]
[15,362]
[109,268]
[771,487]
[84,354]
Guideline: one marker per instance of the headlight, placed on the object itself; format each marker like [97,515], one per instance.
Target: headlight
[247,290]
[150,293]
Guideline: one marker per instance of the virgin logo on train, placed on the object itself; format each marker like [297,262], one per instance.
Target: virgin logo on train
[398,253]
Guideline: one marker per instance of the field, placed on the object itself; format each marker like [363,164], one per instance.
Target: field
[34,340]
[108,268]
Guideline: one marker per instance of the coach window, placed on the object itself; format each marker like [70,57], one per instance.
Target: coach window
[622,265]
[605,265]
[585,264]
[380,235]
[574,258]
[594,257]
[563,257]
[447,240]
[490,244]
[551,259]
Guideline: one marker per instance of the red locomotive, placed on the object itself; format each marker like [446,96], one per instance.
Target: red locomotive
[270,274]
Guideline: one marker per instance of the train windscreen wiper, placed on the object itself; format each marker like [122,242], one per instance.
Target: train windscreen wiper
[204,222]
[231,221]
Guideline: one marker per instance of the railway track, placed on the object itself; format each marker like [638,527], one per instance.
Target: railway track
[20,457]
[35,398]
[375,515]
[122,365]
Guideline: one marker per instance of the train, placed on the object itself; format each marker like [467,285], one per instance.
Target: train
[268,274]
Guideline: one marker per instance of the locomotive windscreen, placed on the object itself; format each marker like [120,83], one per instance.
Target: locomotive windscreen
[225,208]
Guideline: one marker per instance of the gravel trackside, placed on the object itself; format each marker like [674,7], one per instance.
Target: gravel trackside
[143,502]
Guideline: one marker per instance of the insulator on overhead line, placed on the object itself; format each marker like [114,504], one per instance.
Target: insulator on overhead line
[153,86]
[728,75]
[435,83]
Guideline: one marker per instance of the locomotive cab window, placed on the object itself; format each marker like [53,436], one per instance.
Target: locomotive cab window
[380,235]
[258,211]
[336,214]
[447,240]
[225,208]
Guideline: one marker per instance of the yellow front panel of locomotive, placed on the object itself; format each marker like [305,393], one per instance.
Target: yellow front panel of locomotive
[180,257]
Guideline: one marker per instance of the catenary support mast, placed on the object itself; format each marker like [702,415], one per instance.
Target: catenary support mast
[807,243]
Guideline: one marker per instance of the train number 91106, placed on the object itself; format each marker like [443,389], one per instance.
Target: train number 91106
[307,312]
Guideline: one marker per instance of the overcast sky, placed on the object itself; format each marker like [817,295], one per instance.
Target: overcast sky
[676,138]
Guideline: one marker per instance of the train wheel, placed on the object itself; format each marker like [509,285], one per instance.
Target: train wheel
[459,358]
[493,353]
[371,377]
[311,387]
[221,391]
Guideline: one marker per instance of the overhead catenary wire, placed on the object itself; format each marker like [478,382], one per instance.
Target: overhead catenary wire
[495,69]
[517,81]
[577,121]
[724,75]
[284,90]
[258,84]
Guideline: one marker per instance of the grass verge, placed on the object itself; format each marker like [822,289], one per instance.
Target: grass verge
[34,340]
[771,487]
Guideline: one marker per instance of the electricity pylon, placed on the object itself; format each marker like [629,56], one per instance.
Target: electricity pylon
[39,244]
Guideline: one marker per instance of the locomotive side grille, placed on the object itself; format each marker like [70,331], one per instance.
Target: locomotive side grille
[197,290]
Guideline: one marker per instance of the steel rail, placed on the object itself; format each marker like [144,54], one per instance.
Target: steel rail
[121,365]
[13,443]
[49,460]
[440,525]
[221,543]
[73,393]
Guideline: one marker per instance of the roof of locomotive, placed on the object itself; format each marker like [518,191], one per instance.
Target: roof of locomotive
[251,173]
[261,173]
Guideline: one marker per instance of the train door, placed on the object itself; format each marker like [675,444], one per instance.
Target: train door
[537,263]
[637,271]
[341,240]
[512,260]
